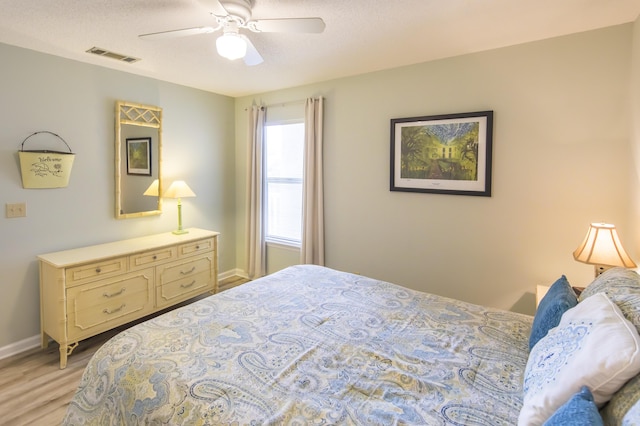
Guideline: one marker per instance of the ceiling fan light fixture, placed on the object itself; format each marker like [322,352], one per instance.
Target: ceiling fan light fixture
[231,46]
[233,15]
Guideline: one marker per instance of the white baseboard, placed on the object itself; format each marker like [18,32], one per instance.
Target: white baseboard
[34,341]
[233,273]
[21,346]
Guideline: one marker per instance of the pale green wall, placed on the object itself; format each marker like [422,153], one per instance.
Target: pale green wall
[561,161]
[75,100]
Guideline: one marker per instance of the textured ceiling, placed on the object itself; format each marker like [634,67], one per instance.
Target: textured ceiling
[360,36]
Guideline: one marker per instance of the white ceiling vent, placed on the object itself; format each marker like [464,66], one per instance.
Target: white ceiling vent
[112,55]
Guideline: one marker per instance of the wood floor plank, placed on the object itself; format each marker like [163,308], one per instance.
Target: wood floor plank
[33,389]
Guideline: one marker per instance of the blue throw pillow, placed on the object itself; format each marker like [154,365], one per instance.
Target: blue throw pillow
[580,410]
[559,299]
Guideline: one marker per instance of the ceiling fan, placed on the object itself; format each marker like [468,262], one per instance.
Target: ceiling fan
[231,16]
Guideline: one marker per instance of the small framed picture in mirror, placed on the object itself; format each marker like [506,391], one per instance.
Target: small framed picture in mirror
[139,156]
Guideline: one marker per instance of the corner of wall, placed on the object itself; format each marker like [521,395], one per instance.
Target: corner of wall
[634,196]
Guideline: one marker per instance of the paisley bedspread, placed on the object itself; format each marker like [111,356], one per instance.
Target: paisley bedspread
[311,346]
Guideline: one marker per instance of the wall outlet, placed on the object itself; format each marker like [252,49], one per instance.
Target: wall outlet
[16,210]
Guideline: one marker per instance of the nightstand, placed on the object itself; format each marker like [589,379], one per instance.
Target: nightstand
[541,290]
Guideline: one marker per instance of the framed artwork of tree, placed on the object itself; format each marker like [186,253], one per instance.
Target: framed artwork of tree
[444,154]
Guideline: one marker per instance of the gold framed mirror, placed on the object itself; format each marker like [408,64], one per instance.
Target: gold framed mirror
[138,160]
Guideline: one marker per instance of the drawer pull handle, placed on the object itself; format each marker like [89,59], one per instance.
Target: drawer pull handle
[188,285]
[117,293]
[109,312]
[197,247]
[98,270]
[155,257]
[188,272]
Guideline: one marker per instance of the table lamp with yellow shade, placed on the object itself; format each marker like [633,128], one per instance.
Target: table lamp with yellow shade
[179,189]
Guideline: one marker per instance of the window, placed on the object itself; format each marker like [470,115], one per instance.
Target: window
[284,153]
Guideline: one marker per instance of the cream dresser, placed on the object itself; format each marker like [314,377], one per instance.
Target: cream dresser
[89,290]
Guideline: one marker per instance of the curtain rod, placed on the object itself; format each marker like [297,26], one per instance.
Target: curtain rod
[283,104]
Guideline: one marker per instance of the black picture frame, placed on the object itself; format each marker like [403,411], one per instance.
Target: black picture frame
[139,156]
[443,154]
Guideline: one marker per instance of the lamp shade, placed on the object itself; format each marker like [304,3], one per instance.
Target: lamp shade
[602,246]
[152,190]
[231,46]
[179,189]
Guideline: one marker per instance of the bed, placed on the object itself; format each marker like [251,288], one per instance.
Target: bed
[313,346]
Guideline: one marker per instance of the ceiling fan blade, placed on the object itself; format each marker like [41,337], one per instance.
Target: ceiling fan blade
[178,33]
[252,56]
[287,25]
[214,7]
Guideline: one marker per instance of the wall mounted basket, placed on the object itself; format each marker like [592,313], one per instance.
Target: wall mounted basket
[45,168]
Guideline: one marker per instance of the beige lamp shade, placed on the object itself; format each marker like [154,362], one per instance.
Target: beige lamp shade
[602,246]
[179,189]
[152,190]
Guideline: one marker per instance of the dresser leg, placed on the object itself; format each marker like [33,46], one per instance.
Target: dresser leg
[44,340]
[63,357]
[65,351]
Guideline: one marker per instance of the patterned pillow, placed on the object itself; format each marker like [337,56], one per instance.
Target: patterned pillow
[622,286]
[580,410]
[624,407]
[556,302]
[593,346]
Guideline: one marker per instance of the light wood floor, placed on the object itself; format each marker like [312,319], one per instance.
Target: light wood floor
[33,389]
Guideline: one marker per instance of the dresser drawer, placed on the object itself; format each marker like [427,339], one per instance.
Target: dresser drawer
[152,257]
[95,271]
[184,269]
[183,289]
[196,247]
[102,305]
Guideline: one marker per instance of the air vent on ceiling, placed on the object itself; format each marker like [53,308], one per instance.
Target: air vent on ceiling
[113,55]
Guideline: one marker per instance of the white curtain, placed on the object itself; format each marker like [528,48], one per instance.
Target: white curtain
[256,246]
[312,249]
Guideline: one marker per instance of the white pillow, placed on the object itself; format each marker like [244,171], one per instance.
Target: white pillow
[593,346]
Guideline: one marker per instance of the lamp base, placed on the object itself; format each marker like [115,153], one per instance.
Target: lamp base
[180,231]
[599,269]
